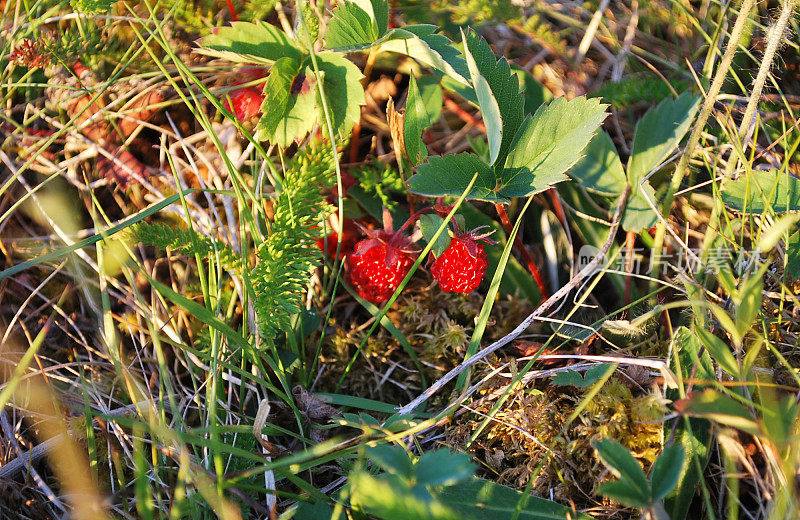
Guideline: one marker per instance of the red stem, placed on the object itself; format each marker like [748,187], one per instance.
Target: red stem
[355,136]
[232,9]
[526,257]
[463,114]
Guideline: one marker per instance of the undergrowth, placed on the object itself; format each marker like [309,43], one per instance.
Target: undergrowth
[186,187]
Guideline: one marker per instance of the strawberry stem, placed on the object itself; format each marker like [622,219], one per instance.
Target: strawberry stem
[463,114]
[520,247]
[232,9]
[413,218]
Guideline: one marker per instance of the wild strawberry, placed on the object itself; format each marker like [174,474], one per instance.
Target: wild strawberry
[245,103]
[460,268]
[379,263]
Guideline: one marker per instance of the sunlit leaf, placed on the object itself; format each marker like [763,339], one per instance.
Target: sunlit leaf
[256,42]
[659,132]
[548,144]
[714,406]
[759,192]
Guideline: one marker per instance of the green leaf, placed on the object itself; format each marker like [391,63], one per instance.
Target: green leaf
[450,174]
[246,42]
[431,93]
[428,225]
[443,468]
[289,114]
[487,103]
[600,170]
[793,256]
[714,406]
[479,499]
[286,116]
[747,301]
[357,25]
[316,511]
[688,347]
[432,50]
[548,144]
[639,213]
[535,93]
[760,192]
[351,28]
[719,351]
[378,10]
[624,493]
[417,119]
[392,459]
[573,378]
[504,86]
[344,92]
[390,498]
[667,471]
[696,442]
[624,466]
[658,133]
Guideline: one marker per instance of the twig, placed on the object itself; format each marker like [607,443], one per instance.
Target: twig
[543,308]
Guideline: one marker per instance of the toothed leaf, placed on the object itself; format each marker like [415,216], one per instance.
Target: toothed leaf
[487,104]
[292,104]
[353,26]
[548,144]
[421,43]
[246,42]
[450,175]
[286,115]
[504,87]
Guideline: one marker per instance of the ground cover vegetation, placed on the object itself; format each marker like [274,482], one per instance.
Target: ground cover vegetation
[370,259]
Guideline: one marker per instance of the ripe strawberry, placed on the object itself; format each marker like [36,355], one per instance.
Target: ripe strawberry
[245,103]
[460,268]
[379,263]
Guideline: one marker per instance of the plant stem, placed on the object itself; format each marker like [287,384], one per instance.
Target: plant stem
[526,257]
[232,9]
[463,114]
[630,237]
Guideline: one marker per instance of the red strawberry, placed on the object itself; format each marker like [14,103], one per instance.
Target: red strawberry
[460,268]
[245,103]
[379,263]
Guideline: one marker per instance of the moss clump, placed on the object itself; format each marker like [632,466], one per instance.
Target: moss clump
[529,438]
